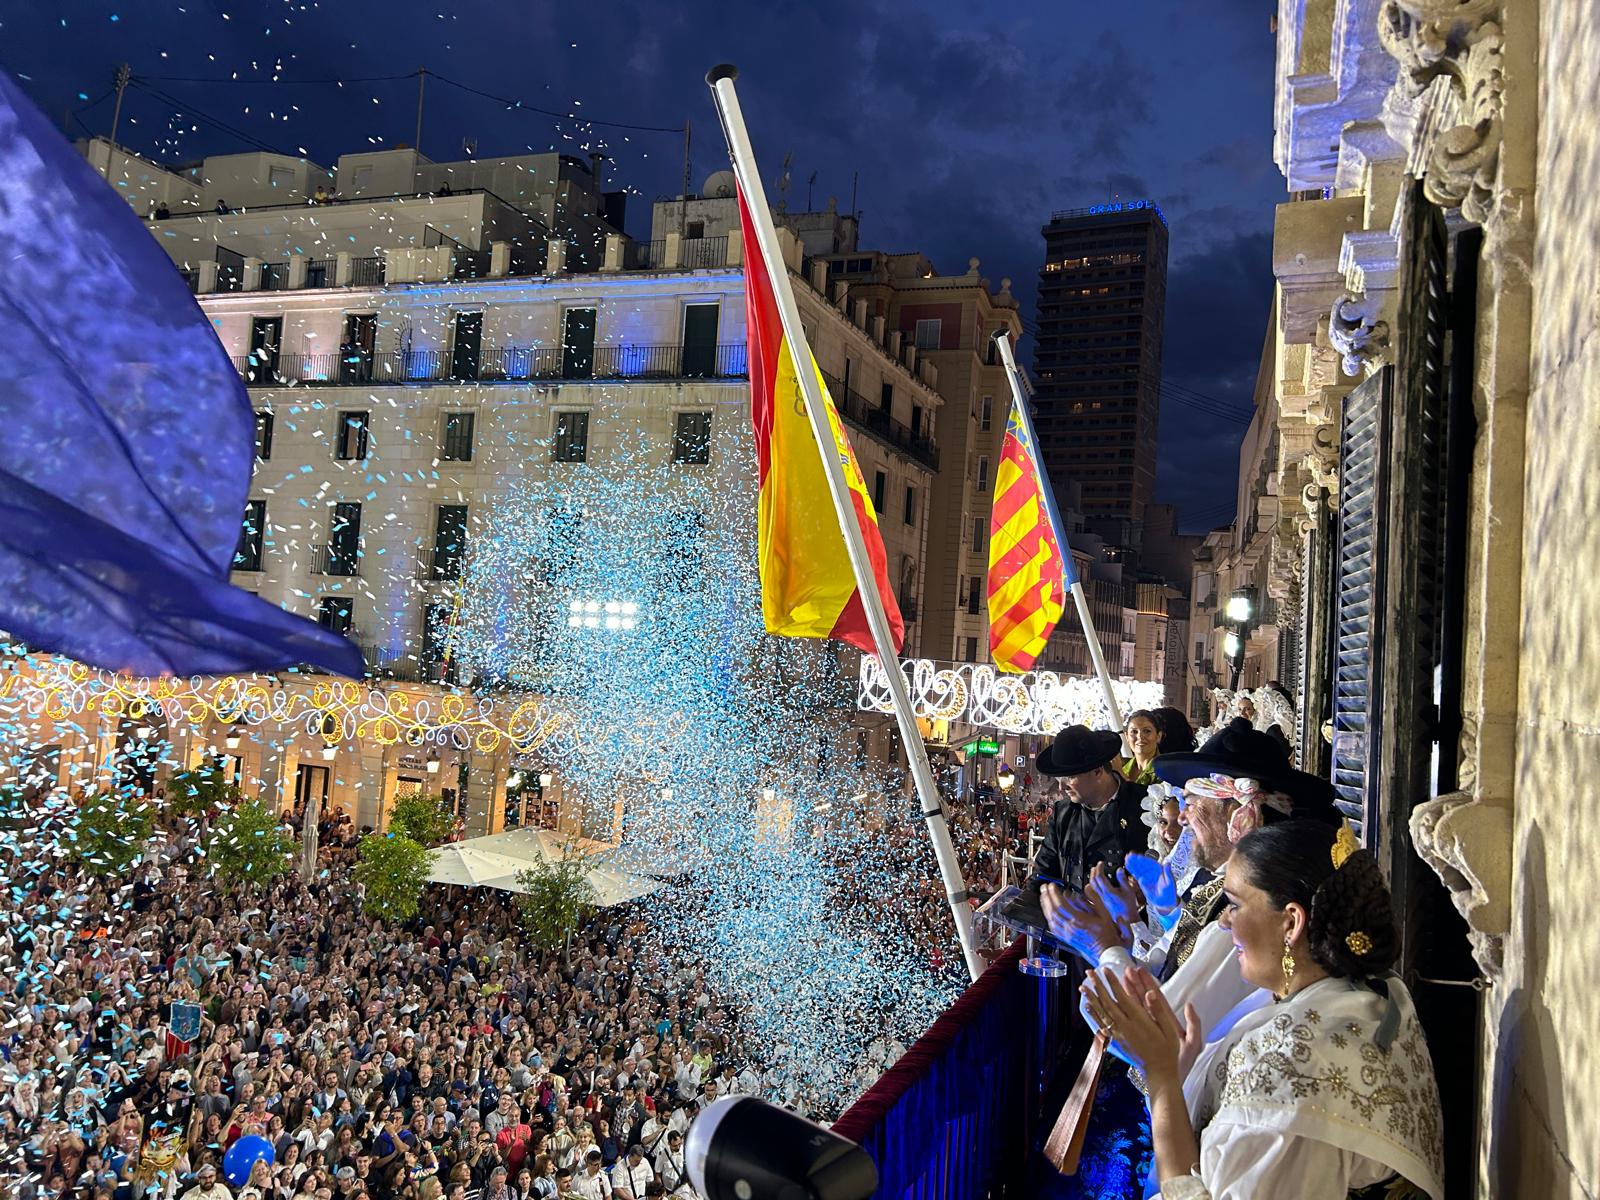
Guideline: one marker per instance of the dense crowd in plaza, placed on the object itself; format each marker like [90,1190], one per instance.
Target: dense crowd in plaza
[438,1058]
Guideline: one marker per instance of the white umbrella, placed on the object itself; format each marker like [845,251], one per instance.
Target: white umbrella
[499,858]
[468,865]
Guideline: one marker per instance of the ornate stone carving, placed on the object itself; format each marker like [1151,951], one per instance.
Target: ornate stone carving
[1358,335]
[1458,41]
[1467,842]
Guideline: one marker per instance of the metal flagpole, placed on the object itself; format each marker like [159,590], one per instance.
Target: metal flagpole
[744,166]
[1020,402]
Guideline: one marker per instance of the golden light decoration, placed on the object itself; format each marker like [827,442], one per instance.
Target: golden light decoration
[332,710]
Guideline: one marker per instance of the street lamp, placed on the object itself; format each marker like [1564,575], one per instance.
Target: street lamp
[666,794]
[1239,612]
[235,736]
[545,779]
[1005,777]
[330,752]
[433,762]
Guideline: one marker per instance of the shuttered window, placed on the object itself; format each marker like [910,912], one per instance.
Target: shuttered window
[1358,597]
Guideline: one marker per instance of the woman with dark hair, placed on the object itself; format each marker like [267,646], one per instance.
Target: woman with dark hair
[1142,735]
[1327,1093]
[1177,735]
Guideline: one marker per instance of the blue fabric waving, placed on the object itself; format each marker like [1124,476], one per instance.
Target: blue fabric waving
[128,438]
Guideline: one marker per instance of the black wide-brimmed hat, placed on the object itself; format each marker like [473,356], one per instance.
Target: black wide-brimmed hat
[1077,749]
[1241,751]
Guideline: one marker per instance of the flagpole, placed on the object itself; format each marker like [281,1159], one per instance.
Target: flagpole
[1024,418]
[744,166]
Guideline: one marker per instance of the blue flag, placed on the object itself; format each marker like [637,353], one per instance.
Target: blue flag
[126,438]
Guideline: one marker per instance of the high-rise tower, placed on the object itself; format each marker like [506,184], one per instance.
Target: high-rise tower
[1097,353]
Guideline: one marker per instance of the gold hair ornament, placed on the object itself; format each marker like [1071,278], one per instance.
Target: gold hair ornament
[1359,943]
[1344,845]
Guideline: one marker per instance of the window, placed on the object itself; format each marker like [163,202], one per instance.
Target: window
[700,340]
[248,556]
[886,397]
[911,505]
[983,472]
[974,594]
[977,535]
[352,442]
[344,540]
[880,482]
[458,436]
[691,440]
[972,649]
[263,435]
[928,334]
[572,437]
[986,413]
[694,229]
[335,613]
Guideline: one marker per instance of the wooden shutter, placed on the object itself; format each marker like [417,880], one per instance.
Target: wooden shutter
[1360,550]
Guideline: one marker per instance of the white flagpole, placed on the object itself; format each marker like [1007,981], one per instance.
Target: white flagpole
[1025,419]
[744,166]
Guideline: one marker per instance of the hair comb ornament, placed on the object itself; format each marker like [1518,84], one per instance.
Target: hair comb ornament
[1359,943]
[1344,846]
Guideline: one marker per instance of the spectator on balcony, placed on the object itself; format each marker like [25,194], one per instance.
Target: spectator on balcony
[1100,819]
[1142,733]
[222,206]
[162,212]
[321,195]
[1327,1093]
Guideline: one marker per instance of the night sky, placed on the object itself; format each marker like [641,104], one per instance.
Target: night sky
[968,124]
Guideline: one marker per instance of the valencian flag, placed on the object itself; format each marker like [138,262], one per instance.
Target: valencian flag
[1028,574]
[129,439]
[807,587]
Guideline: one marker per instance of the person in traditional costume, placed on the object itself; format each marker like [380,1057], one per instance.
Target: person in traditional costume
[1238,781]
[1099,821]
[1324,1089]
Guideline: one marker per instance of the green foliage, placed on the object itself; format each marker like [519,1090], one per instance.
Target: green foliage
[249,845]
[201,792]
[553,899]
[423,819]
[392,872]
[111,832]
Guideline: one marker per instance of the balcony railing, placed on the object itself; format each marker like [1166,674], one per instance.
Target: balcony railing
[335,558]
[506,364]
[441,565]
[875,421]
[367,272]
[275,277]
[693,253]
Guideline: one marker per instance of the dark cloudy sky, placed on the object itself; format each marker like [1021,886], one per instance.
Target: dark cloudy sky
[968,123]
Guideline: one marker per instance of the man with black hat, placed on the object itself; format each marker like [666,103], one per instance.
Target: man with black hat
[1101,819]
[1238,768]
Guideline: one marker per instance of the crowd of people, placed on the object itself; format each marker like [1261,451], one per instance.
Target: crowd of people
[437,1058]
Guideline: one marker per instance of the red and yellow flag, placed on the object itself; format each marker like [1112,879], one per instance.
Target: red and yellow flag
[807,587]
[1028,573]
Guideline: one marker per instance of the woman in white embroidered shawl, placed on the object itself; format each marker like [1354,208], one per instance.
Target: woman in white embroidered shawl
[1323,1095]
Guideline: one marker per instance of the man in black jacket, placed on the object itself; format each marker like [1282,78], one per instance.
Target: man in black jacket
[1101,819]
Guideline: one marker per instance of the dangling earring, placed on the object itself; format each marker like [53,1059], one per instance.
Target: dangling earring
[1288,967]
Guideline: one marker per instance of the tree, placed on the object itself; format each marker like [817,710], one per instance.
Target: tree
[111,832]
[201,792]
[392,872]
[423,819]
[249,845]
[553,900]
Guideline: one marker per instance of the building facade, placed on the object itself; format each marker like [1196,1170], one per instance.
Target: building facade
[1097,354]
[405,390]
[1433,346]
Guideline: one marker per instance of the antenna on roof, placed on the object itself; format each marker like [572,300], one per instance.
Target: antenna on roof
[469,146]
[809,183]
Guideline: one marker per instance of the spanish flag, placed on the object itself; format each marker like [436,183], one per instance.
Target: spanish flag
[1028,573]
[807,587]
